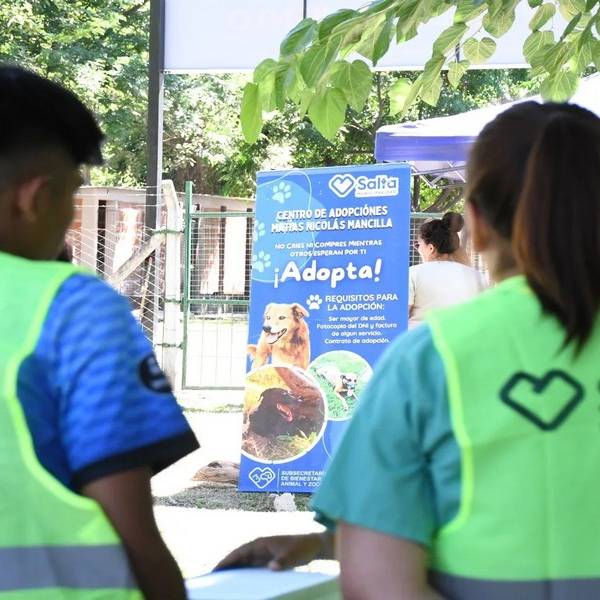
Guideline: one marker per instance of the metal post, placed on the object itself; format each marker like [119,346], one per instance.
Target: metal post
[171,342]
[222,237]
[186,277]
[154,142]
[248,253]
[155,110]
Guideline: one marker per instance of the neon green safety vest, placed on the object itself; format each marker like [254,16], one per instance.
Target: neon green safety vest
[526,416]
[54,544]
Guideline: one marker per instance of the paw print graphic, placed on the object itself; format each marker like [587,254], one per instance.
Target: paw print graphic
[259,230]
[261,261]
[314,301]
[281,192]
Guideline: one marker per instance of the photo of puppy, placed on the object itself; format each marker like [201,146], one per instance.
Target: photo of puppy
[344,384]
[284,337]
[342,376]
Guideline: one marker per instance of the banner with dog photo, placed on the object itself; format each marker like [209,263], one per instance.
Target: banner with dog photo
[328,294]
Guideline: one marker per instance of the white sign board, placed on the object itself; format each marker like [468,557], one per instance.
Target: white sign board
[236,35]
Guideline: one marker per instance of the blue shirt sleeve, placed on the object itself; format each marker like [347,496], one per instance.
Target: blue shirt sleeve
[114,408]
[397,469]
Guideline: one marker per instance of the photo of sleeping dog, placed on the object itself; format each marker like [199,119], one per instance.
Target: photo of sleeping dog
[284,413]
[341,375]
[284,338]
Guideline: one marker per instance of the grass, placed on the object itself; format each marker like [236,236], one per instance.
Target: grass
[227,498]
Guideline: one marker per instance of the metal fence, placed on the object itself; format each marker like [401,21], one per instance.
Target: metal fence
[108,236]
[218,257]
[188,280]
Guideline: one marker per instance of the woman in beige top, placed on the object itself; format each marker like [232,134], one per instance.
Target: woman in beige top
[442,279]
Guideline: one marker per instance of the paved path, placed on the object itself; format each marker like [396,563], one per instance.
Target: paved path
[199,538]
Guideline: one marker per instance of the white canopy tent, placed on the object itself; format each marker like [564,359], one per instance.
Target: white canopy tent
[438,146]
[195,36]
[234,35]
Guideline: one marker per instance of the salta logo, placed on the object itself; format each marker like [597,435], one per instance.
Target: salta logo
[342,184]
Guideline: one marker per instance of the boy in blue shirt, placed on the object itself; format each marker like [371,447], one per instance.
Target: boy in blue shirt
[100,412]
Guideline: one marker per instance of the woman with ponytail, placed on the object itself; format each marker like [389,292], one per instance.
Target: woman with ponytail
[440,280]
[470,468]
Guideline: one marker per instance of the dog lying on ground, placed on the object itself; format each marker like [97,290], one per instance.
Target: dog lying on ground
[344,384]
[280,413]
[284,337]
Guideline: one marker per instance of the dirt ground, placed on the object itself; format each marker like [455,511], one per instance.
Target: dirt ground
[201,523]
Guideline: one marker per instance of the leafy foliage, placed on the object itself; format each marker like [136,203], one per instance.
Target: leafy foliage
[320,47]
[99,48]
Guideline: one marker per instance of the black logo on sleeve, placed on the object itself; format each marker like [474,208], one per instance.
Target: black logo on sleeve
[152,376]
[545,401]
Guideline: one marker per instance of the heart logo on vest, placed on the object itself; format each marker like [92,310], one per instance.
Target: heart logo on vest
[545,401]
[342,185]
[261,478]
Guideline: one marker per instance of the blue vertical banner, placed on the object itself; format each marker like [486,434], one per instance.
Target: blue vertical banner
[329,291]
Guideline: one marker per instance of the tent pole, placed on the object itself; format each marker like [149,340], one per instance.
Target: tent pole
[154,146]
[416,195]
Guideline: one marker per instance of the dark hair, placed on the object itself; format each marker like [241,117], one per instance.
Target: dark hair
[66,254]
[36,115]
[534,176]
[443,233]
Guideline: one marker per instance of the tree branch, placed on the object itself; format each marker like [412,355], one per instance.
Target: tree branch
[446,200]
[137,7]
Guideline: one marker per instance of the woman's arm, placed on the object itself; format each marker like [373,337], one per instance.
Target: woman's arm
[281,551]
[376,566]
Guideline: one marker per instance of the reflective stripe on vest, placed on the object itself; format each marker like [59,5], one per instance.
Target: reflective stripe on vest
[524,412]
[77,567]
[462,588]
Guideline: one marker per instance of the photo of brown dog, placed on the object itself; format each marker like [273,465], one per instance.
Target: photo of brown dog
[284,337]
[284,413]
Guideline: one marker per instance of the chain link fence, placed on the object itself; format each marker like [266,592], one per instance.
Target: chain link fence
[188,280]
[217,291]
[108,236]
[216,299]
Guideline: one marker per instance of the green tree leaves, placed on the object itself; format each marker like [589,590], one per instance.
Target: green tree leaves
[251,115]
[327,112]
[536,46]
[356,80]
[323,52]
[449,38]
[542,15]
[560,87]
[399,93]
[456,70]
[479,51]
[299,37]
